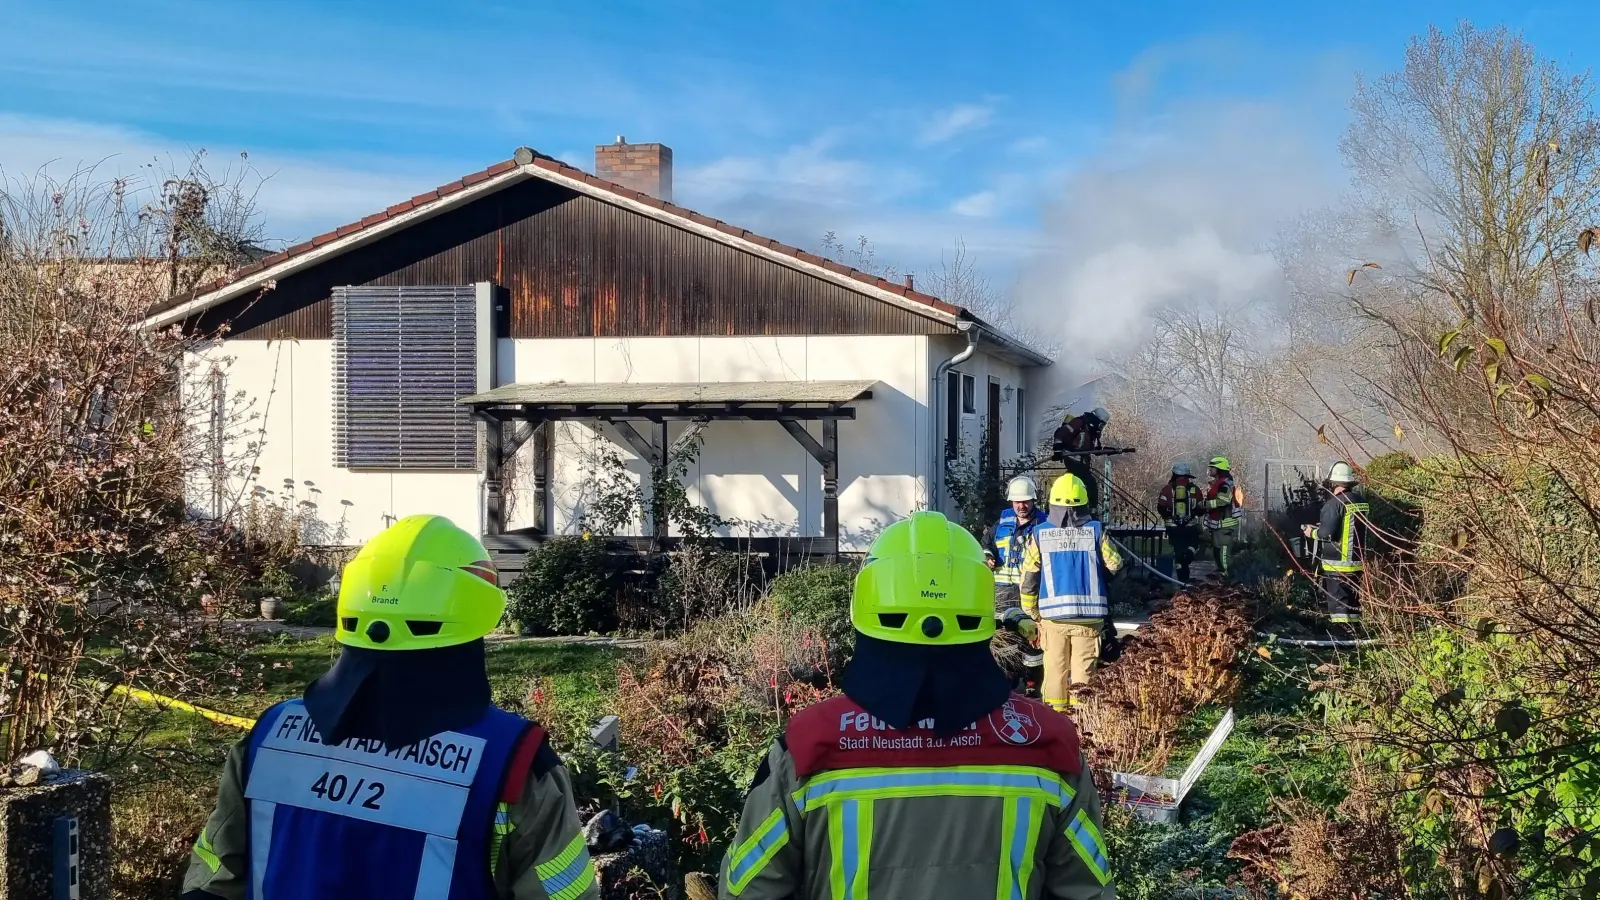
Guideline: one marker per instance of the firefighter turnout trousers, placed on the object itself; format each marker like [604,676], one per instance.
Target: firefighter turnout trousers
[1071,654]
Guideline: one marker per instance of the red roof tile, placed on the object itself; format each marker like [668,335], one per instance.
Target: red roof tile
[552,165]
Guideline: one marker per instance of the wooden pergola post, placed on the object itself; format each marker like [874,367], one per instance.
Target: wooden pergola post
[622,406]
[496,450]
[494,478]
[826,454]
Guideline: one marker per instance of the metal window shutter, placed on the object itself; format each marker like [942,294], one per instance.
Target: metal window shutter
[402,357]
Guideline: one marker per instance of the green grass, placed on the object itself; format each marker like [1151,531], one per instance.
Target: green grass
[280,667]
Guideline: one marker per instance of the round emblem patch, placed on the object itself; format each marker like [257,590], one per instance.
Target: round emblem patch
[1014,725]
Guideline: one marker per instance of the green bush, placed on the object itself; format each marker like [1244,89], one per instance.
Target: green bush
[1169,862]
[1477,702]
[818,597]
[1396,486]
[274,580]
[568,586]
[319,611]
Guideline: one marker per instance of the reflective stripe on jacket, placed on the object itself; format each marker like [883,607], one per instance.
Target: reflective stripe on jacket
[1343,533]
[1221,509]
[1062,571]
[846,808]
[1007,543]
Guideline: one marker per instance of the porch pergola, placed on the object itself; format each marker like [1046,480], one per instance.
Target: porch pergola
[624,408]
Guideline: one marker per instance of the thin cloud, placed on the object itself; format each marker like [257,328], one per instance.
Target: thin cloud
[955,121]
[981,205]
[299,197]
[807,190]
[1029,145]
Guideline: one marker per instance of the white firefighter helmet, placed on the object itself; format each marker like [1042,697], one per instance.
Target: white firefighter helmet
[1103,414]
[1342,473]
[1180,468]
[1021,488]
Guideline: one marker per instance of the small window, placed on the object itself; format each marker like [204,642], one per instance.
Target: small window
[969,395]
[1021,425]
[217,441]
[952,420]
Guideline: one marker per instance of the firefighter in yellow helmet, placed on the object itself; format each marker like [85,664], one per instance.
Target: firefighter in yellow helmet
[1064,575]
[926,779]
[1221,505]
[395,775]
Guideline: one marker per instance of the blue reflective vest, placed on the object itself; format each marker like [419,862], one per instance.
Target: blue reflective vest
[1070,586]
[1010,540]
[354,821]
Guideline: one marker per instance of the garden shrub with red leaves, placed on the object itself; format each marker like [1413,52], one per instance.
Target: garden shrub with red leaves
[698,715]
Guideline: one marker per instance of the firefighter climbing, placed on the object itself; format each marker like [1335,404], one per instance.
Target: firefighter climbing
[1075,441]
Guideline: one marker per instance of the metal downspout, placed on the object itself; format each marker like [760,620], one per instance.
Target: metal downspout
[938,408]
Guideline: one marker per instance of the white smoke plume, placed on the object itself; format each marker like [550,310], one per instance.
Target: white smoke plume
[1178,207]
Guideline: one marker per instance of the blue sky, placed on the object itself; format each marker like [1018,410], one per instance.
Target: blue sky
[916,124]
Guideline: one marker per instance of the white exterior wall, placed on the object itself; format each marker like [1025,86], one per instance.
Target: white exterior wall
[753,472]
[750,471]
[284,433]
[985,367]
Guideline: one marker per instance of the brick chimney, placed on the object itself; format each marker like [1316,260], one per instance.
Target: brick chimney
[644,167]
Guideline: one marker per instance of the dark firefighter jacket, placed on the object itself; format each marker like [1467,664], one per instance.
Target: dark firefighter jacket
[1342,532]
[1179,503]
[1079,433]
[847,808]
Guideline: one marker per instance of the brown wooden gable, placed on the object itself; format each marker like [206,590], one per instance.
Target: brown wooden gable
[572,265]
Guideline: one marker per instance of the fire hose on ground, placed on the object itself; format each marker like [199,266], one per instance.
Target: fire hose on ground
[1334,643]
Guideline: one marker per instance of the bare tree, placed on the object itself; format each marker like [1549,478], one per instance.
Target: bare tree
[1492,155]
[1478,338]
[859,255]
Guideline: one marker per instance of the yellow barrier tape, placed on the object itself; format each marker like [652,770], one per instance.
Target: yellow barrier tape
[165,702]
[145,696]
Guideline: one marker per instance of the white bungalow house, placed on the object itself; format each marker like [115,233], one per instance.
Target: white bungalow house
[469,350]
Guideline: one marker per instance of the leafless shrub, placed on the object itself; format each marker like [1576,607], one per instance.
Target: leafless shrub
[98,452]
[1312,854]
